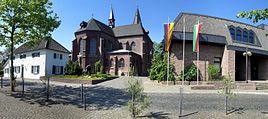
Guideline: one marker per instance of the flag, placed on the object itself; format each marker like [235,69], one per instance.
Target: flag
[196,31]
[168,28]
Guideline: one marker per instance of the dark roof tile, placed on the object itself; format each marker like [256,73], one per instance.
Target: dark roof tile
[50,44]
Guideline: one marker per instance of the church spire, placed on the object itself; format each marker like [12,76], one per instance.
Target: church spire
[111,18]
[137,18]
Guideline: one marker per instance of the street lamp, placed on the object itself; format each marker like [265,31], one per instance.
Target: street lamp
[247,54]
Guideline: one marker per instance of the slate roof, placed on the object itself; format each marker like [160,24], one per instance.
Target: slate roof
[50,44]
[216,30]
[95,25]
[129,30]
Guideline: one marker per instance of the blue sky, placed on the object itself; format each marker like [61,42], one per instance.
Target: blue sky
[154,13]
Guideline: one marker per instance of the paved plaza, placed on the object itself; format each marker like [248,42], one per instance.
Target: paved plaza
[108,100]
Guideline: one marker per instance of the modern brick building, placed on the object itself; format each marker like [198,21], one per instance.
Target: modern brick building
[222,42]
[119,48]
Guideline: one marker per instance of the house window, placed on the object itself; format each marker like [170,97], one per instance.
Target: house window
[58,70]
[57,56]
[251,37]
[36,54]
[17,69]
[238,35]
[245,36]
[133,45]
[7,70]
[92,47]
[23,56]
[121,63]
[232,31]
[35,69]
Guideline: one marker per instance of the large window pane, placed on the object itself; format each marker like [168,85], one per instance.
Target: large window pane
[245,36]
[238,35]
[92,47]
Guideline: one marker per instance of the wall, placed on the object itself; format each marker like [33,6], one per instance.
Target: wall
[228,63]
[50,61]
[45,60]
[207,54]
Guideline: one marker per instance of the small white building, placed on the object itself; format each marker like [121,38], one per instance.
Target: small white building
[46,58]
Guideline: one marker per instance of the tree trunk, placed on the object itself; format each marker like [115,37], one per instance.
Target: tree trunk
[12,78]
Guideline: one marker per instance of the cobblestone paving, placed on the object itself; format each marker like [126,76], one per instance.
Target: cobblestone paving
[107,101]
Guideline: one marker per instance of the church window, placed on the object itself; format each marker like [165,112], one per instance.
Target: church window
[92,47]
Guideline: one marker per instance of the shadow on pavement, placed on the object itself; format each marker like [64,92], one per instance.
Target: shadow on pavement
[239,110]
[189,114]
[157,115]
[98,97]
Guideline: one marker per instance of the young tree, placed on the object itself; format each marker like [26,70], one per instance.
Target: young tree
[22,21]
[138,102]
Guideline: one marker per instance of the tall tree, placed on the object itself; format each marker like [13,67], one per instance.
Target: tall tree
[254,15]
[22,21]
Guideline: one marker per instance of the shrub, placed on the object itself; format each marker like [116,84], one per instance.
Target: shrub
[158,70]
[98,67]
[73,68]
[213,72]
[189,73]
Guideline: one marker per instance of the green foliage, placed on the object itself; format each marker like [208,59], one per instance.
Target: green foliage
[158,70]
[190,73]
[98,66]
[213,72]
[1,70]
[228,84]
[73,68]
[138,102]
[22,21]
[254,15]
[99,75]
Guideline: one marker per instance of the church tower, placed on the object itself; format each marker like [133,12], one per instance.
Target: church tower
[111,18]
[137,18]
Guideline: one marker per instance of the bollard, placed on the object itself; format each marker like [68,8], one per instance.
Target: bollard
[85,102]
[47,88]
[82,93]
[226,99]
[181,96]
[1,82]
[22,86]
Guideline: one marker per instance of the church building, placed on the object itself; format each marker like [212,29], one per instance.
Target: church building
[120,49]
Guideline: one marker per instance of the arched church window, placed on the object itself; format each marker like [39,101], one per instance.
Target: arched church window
[238,35]
[111,62]
[245,36]
[251,37]
[121,63]
[133,45]
[92,47]
[232,31]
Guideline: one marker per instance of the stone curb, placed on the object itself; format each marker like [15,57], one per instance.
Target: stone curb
[209,92]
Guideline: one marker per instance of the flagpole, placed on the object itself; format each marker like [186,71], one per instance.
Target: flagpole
[183,51]
[197,63]
[168,62]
